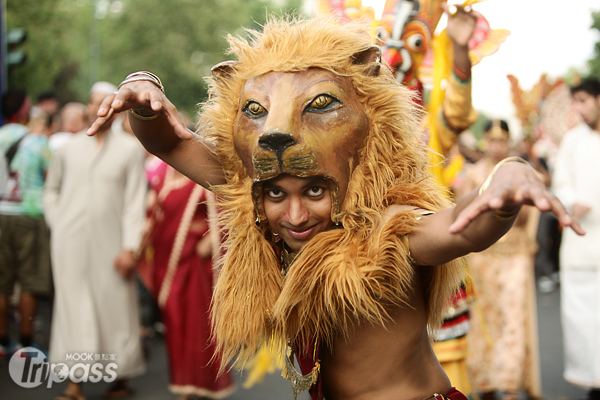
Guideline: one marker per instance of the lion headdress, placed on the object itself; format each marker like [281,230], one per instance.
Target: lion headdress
[344,275]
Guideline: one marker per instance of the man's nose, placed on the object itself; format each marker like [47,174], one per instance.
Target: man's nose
[297,213]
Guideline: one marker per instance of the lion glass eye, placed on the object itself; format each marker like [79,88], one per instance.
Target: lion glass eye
[255,108]
[452,10]
[321,101]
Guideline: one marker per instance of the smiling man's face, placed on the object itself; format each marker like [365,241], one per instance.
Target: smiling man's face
[297,208]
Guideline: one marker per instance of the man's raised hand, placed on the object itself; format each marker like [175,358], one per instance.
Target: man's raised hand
[142,95]
[512,185]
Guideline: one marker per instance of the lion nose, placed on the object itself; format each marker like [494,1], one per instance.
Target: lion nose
[276,141]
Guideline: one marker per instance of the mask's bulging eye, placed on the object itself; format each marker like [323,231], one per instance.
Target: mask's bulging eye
[254,109]
[416,42]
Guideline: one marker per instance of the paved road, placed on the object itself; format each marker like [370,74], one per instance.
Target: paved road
[551,350]
[153,385]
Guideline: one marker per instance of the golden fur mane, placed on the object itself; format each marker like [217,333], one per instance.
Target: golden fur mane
[343,275]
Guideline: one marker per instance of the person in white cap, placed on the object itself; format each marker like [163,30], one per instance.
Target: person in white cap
[95,208]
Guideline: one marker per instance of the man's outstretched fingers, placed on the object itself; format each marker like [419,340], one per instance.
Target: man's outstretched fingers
[97,124]
[568,221]
[157,100]
[467,215]
[93,129]
[497,197]
[106,105]
[564,217]
[544,202]
[175,120]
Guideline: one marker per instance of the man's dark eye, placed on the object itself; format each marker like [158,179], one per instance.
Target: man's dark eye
[316,191]
[275,193]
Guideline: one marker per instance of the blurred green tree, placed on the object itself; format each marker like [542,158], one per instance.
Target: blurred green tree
[594,63]
[55,45]
[73,43]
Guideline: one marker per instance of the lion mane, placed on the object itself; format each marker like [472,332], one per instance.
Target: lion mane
[343,276]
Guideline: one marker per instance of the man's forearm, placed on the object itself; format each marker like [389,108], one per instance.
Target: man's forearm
[156,135]
[462,62]
[194,158]
[488,227]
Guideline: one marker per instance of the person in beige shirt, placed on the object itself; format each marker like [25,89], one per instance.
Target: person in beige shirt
[94,202]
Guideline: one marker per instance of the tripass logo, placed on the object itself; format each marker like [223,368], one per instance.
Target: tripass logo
[29,368]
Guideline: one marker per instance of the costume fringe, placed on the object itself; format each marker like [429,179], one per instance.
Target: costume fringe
[249,283]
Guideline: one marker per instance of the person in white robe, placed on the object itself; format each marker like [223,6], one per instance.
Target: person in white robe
[94,201]
[576,182]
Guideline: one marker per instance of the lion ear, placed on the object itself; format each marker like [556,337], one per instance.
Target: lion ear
[223,70]
[370,55]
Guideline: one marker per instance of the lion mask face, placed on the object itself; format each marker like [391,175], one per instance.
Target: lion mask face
[307,123]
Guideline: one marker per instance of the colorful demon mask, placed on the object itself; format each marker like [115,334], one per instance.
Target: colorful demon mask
[407,31]
[408,27]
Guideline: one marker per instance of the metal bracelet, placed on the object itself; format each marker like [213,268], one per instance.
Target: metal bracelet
[143,76]
[506,215]
[141,116]
[149,74]
[485,184]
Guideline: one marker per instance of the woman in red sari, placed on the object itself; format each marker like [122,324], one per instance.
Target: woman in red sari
[176,265]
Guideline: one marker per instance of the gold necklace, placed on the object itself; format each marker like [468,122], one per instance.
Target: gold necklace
[287,259]
[299,382]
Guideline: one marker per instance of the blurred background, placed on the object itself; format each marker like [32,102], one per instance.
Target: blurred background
[65,46]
